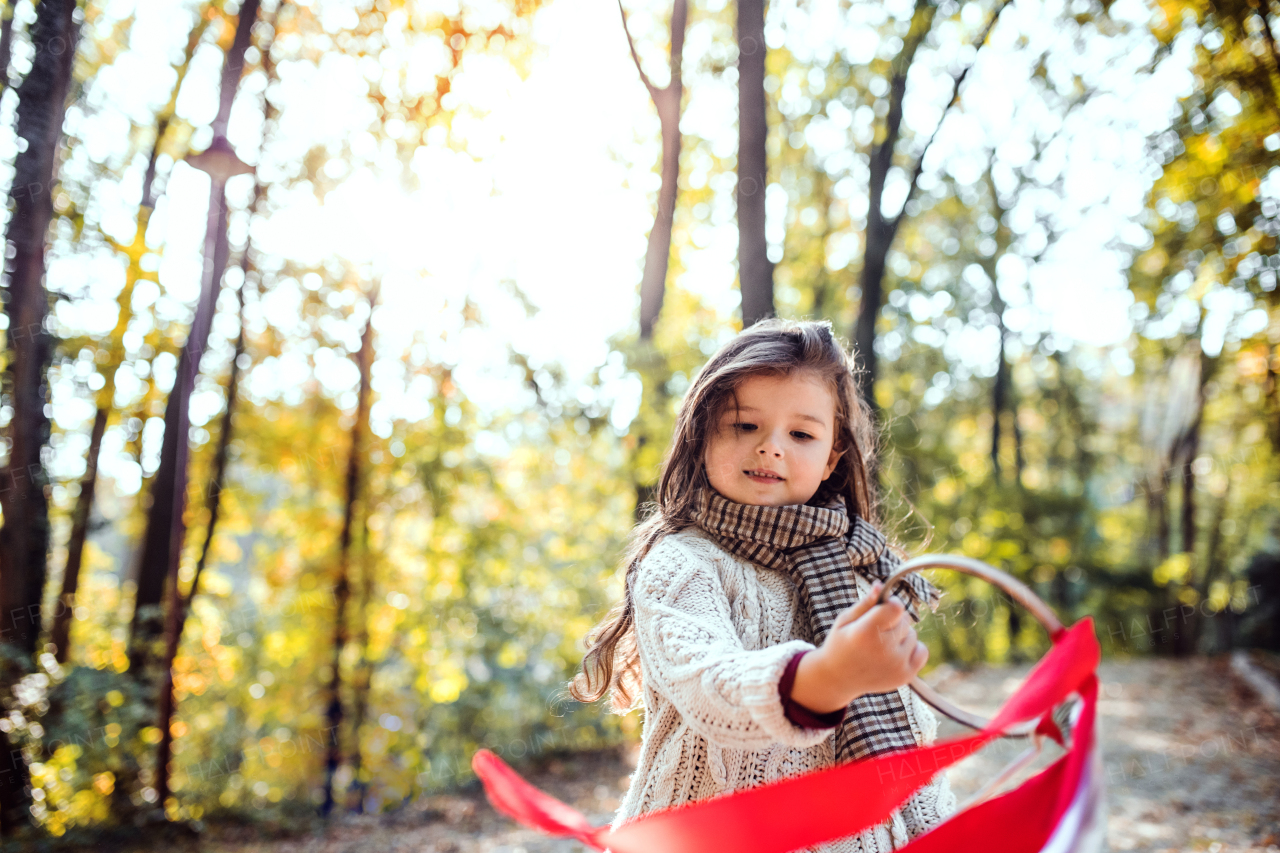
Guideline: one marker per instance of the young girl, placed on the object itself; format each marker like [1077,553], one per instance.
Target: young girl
[748,629]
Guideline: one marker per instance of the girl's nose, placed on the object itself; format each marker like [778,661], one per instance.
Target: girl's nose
[769,447]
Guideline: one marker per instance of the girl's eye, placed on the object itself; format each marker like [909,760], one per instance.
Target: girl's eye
[744,427]
[803,436]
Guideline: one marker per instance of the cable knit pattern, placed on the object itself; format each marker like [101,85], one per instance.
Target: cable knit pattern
[715,634]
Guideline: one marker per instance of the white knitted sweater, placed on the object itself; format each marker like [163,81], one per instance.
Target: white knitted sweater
[715,634]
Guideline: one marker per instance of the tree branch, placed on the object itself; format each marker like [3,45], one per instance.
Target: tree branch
[955,99]
[635,57]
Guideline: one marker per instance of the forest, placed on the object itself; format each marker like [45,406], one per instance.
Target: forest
[343,341]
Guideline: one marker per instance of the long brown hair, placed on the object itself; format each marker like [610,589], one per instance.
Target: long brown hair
[773,347]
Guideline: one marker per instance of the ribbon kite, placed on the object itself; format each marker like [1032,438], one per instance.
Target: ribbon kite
[1059,810]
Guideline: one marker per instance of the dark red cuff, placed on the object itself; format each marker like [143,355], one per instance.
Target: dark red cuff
[797,713]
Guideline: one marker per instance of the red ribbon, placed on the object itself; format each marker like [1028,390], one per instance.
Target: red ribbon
[806,810]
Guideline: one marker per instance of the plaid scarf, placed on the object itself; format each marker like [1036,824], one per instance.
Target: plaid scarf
[820,549]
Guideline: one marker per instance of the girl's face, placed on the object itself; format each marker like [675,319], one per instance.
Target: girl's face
[777,445]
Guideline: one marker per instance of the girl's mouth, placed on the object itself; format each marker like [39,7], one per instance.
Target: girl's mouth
[760,475]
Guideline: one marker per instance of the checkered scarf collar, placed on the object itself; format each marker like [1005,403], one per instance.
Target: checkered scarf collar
[820,549]
[816,545]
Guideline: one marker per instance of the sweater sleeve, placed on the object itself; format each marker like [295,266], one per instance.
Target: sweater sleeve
[692,655]
[797,713]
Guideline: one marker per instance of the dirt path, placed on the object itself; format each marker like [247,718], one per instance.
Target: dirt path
[1192,763]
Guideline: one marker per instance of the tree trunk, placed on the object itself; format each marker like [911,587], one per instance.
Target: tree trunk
[999,393]
[1215,565]
[1002,385]
[1187,511]
[1189,450]
[653,284]
[24,539]
[60,633]
[755,270]
[342,583]
[1163,530]
[180,607]
[162,543]
[364,669]
[667,102]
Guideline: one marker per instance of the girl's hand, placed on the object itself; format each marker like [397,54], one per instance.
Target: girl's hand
[871,648]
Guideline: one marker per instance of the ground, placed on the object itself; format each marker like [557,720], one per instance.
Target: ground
[1192,761]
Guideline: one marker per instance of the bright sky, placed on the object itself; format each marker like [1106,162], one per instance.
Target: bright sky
[557,189]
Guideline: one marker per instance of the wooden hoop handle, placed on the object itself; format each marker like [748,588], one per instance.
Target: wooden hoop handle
[1016,590]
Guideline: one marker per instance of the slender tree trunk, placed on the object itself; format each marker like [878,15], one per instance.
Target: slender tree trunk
[342,582]
[1190,450]
[180,607]
[1187,511]
[667,102]
[364,669]
[165,525]
[1018,460]
[1184,629]
[162,543]
[213,499]
[1014,626]
[653,284]
[1002,385]
[60,633]
[1214,562]
[1164,531]
[999,391]
[755,270]
[24,539]
[657,254]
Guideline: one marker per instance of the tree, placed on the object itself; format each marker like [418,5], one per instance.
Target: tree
[755,270]
[666,100]
[362,677]
[24,539]
[881,228]
[180,605]
[1003,398]
[164,537]
[653,285]
[342,581]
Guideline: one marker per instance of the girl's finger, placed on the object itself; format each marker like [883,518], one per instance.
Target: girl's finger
[889,614]
[894,638]
[919,657]
[856,610]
